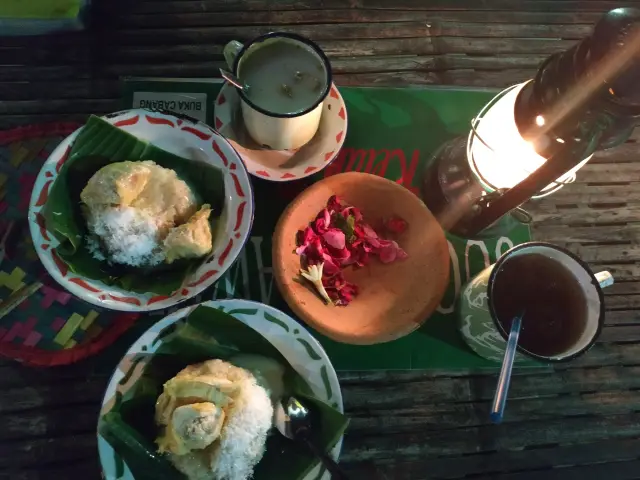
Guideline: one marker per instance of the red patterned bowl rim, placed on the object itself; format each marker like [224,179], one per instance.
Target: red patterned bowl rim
[239,206]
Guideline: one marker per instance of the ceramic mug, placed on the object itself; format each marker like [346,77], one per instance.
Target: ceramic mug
[485,335]
[278,131]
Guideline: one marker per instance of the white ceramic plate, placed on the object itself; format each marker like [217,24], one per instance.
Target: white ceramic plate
[196,141]
[296,344]
[283,165]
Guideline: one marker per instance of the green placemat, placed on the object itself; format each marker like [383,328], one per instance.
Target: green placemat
[41,9]
[393,132]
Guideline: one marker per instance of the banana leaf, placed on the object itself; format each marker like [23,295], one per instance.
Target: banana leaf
[205,334]
[98,144]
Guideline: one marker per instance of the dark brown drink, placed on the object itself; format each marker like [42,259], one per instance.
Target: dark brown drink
[553,301]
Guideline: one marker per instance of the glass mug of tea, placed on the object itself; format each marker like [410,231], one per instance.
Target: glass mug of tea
[560,297]
[288,77]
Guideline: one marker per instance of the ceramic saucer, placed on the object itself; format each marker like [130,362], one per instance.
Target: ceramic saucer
[283,165]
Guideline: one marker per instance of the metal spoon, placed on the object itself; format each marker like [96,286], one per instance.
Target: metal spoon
[293,420]
[233,80]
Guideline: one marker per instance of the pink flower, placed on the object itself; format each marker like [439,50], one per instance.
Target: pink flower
[357,215]
[322,222]
[314,252]
[303,238]
[339,237]
[334,237]
[396,224]
[333,204]
[330,265]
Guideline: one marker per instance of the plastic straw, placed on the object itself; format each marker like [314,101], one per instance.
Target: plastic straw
[500,398]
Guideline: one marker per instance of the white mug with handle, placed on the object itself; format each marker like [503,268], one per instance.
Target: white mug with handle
[276,130]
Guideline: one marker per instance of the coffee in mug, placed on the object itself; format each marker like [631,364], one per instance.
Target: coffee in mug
[560,299]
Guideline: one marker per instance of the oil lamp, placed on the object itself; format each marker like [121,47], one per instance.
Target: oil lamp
[532,138]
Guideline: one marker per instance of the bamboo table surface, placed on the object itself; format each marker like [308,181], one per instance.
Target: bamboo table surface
[580,420]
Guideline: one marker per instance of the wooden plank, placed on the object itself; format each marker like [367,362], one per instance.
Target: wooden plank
[592,234]
[53,423]
[26,107]
[606,354]
[43,55]
[455,415]
[585,193]
[622,317]
[427,45]
[623,288]
[625,153]
[39,451]
[503,461]
[617,317]
[207,66]
[550,215]
[469,78]
[349,31]
[13,374]
[621,271]
[16,120]
[424,443]
[49,396]
[69,89]
[413,389]
[618,470]
[204,6]
[432,62]
[87,469]
[621,333]
[201,19]
[82,53]
[609,172]
[207,69]
[18,73]
[609,253]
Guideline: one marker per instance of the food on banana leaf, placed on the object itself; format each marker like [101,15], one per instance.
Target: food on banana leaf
[215,417]
[141,214]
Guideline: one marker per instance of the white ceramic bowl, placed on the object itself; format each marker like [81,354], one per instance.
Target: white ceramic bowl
[181,137]
[296,344]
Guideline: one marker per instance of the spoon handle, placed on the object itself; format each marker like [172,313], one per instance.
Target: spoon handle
[327,461]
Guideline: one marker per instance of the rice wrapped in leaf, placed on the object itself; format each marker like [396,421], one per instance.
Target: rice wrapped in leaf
[111,173]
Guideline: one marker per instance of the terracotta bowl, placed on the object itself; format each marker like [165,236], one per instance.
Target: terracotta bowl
[394,299]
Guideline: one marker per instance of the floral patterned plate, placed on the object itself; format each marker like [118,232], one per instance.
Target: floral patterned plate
[295,343]
[182,137]
[283,165]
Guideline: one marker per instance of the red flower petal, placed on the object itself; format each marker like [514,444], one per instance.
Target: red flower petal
[330,267]
[396,224]
[335,238]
